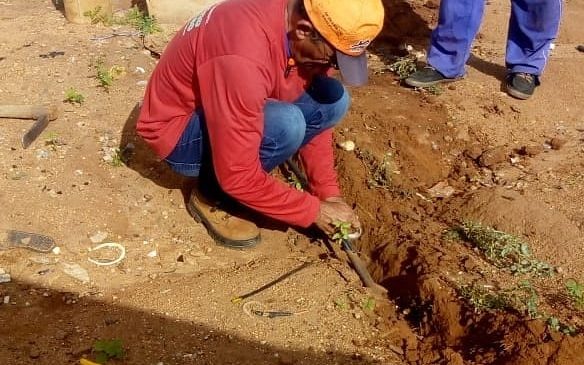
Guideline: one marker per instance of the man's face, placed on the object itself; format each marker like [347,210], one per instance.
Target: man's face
[310,50]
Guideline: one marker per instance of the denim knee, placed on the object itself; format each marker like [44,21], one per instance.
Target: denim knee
[284,131]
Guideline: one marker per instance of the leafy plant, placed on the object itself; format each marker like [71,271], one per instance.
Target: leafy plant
[106,350]
[481,298]
[295,182]
[106,76]
[368,304]
[503,250]
[73,96]
[142,22]
[380,171]
[576,292]
[117,159]
[555,324]
[341,304]
[403,67]
[97,16]
[342,231]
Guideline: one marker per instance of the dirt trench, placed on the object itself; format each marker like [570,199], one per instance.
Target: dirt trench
[406,145]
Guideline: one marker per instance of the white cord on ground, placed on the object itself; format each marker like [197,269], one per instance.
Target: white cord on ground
[116,246]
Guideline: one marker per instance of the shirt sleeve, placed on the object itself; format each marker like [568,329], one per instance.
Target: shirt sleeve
[234,90]
[318,162]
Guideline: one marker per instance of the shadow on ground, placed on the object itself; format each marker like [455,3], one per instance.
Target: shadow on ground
[49,331]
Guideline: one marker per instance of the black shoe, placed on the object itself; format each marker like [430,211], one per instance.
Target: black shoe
[521,85]
[426,77]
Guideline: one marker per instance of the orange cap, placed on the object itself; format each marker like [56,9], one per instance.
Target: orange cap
[349,26]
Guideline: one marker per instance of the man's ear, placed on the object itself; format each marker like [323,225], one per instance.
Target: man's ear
[304,29]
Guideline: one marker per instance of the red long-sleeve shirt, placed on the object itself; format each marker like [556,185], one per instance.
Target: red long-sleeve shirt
[229,60]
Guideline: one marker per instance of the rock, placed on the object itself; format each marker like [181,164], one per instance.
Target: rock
[580,48]
[493,156]
[6,300]
[4,277]
[441,190]
[99,237]
[56,250]
[152,254]
[531,150]
[474,152]
[448,139]
[347,145]
[557,143]
[76,272]
[42,154]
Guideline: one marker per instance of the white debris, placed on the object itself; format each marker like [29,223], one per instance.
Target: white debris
[552,46]
[78,172]
[6,299]
[347,145]
[441,190]
[56,250]
[4,277]
[142,83]
[76,272]
[99,237]
[152,254]
[140,70]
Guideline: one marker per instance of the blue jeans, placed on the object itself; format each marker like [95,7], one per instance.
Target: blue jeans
[287,127]
[532,27]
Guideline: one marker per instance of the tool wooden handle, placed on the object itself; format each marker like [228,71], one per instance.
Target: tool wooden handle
[28,111]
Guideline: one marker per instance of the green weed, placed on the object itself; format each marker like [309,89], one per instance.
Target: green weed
[104,75]
[482,298]
[368,304]
[522,298]
[503,250]
[403,67]
[576,293]
[73,96]
[380,172]
[341,304]
[106,350]
[556,325]
[98,16]
[142,22]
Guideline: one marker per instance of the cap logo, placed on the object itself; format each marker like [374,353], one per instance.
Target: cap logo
[360,46]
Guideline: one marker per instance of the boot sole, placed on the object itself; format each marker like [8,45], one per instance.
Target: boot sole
[422,84]
[217,237]
[517,94]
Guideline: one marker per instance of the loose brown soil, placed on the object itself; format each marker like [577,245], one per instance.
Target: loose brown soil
[423,164]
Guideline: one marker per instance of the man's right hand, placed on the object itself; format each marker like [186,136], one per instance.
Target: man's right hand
[334,210]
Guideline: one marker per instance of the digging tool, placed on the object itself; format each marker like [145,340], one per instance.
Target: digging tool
[356,261]
[361,268]
[40,113]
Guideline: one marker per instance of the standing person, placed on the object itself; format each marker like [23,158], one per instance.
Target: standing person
[532,27]
[243,87]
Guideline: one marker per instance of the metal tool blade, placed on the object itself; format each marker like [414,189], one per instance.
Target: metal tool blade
[37,128]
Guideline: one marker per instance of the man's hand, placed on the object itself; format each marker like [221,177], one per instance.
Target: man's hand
[334,210]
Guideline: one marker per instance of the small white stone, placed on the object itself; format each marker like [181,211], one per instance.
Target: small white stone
[347,145]
[7,299]
[152,254]
[99,237]
[57,250]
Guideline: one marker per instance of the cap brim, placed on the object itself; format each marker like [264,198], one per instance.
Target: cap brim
[353,68]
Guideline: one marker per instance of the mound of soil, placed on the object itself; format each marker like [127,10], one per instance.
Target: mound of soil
[405,146]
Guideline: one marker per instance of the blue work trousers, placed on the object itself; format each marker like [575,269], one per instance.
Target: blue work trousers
[287,127]
[532,27]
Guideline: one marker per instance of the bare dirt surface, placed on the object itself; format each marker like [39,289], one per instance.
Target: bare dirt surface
[423,164]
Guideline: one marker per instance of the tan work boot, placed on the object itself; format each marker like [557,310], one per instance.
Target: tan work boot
[226,230]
